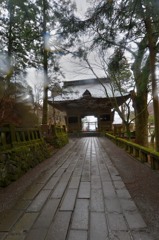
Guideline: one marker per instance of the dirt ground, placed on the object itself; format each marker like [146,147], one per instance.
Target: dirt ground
[141,181]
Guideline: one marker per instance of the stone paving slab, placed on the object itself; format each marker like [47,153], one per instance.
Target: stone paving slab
[98,226]
[24,223]
[37,234]
[78,235]
[113,205]
[8,219]
[69,200]
[81,215]
[116,222]
[142,236]
[52,183]
[47,214]
[97,200]
[84,190]
[58,229]
[134,219]
[124,235]
[39,201]
[81,197]
[74,183]
[32,191]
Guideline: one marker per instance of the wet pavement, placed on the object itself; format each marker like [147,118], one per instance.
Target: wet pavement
[81,196]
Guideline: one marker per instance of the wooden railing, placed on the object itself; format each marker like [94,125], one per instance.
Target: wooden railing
[20,150]
[143,154]
[11,136]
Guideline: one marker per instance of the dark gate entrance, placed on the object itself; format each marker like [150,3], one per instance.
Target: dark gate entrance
[89,124]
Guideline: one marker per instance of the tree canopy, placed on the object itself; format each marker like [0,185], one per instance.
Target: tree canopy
[26,32]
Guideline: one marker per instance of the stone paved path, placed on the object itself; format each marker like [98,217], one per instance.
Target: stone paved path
[81,197]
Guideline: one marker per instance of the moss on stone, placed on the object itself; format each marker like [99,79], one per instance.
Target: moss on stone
[17,161]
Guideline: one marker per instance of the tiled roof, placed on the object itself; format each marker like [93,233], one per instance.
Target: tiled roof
[73,90]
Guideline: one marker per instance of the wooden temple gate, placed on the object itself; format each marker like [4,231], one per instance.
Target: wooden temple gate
[85,103]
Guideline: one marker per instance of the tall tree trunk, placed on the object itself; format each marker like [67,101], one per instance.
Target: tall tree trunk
[10,40]
[45,66]
[152,41]
[141,119]
[141,74]
[45,106]
[155,95]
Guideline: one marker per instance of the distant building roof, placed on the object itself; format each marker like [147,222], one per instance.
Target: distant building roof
[73,90]
[87,96]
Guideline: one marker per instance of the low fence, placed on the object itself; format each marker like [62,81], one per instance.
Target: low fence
[11,137]
[20,150]
[24,148]
[143,154]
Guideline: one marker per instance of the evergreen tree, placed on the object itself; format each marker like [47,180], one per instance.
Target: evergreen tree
[17,21]
[49,28]
[26,33]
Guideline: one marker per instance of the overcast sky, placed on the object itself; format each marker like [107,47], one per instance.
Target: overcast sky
[71,68]
[74,70]
[82,6]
